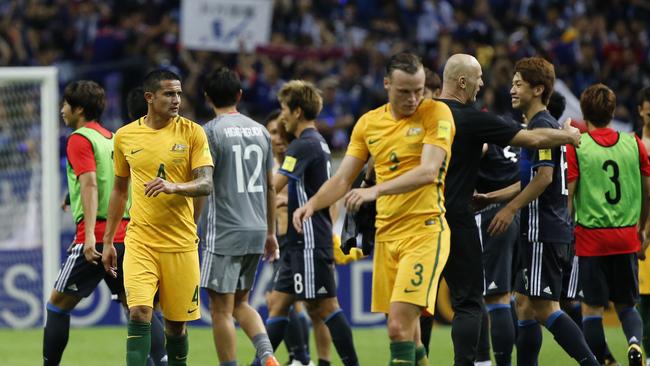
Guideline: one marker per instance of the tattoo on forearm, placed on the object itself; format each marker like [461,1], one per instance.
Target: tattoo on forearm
[203,178]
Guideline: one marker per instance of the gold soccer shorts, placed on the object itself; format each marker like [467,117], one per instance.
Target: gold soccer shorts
[175,275]
[408,270]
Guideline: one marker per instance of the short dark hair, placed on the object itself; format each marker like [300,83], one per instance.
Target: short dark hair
[408,62]
[152,81]
[222,87]
[537,71]
[87,95]
[272,116]
[431,80]
[643,96]
[598,103]
[303,94]
[556,105]
[136,105]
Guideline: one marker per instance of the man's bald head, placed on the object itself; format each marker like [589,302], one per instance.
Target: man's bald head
[461,77]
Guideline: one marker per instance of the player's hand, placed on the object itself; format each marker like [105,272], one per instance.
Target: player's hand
[356,197]
[271,249]
[480,201]
[300,215]
[501,221]
[109,259]
[281,201]
[644,244]
[158,186]
[90,251]
[574,132]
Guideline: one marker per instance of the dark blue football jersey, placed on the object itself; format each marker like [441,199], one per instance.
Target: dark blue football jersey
[307,165]
[546,219]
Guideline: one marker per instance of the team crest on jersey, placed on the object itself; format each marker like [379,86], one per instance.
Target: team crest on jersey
[414,131]
[178,148]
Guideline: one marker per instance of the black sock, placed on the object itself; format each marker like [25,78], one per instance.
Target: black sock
[632,324]
[592,327]
[342,337]
[529,342]
[158,351]
[483,346]
[570,338]
[303,318]
[55,334]
[275,328]
[426,325]
[575,312]
[322,362]
[294,338]
[503,333]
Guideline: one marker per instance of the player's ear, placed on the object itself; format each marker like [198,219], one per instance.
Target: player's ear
[386,82]
[462,81]
[538,90]
[148,96]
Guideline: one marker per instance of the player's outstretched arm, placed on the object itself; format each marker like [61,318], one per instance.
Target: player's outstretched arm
[534,189]
[88,186]
[116,206]
[480,200]
[544,138]
[425,173]
[331,191]
[200,185]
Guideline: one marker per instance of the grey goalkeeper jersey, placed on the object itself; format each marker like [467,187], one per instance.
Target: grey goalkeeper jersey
[241,151]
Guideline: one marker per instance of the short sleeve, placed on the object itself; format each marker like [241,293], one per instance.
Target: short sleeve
[80,154]
[200,149]
[542,157]
[119,161]
[573,171]
[296,160]
[644,162]
[357,146]
[440,128]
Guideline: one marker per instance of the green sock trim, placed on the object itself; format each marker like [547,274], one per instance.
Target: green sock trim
[138,343]
[420,353]
[177,350]
[402,354]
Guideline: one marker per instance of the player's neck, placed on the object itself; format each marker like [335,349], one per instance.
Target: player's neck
[450,94]
[535,107]
[646,132]
[81,123]
[225,110]
[156,122]
[303,126]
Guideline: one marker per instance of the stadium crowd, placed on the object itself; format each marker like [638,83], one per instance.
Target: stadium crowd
[340,45]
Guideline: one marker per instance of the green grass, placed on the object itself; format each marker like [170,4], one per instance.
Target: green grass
[105,346]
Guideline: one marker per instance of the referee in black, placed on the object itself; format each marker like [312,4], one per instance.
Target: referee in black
[464,269]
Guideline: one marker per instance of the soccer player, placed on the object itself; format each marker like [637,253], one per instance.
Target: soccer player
[307,266]
[296,336]
[410,141]
[167,159]
[463,272]
[432,84]
[643,108]
[90,179]
[609,189]
[545,224]
[241,218]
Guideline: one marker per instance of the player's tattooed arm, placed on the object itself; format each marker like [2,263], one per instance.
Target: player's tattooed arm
[200,185]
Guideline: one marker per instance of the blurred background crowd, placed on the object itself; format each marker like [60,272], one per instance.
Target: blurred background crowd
[341,45]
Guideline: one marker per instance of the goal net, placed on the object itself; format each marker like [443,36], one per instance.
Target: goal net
[29,193]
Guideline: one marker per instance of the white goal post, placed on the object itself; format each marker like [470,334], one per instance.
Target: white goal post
[50,182]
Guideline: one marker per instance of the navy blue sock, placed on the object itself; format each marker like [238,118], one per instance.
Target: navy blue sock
[513,313]
[294,338]
[275,328]
[483,346]
[632,325]
[529,342]
[426,325]
[55,334]
[503,333]
[570,338]
[575,312]
[305,322]
[158,350]
[342,337]
[592,327]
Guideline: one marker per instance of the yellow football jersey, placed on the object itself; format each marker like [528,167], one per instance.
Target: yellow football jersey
[166,222]
[396,146]
[644,276]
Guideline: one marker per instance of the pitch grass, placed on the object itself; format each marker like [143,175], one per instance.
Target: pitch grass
[106,346]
